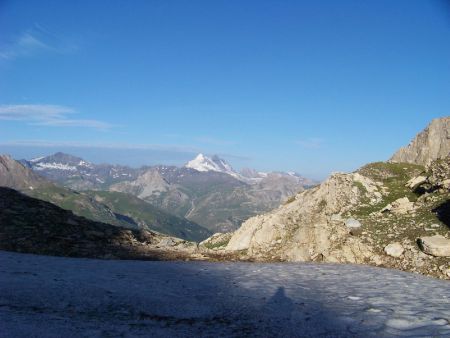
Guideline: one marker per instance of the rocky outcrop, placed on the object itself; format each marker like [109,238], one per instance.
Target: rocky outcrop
[430,144]
[149,183]
[372,216]
[439,174]
[306,228]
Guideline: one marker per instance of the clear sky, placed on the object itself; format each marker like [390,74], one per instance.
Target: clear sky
[308,86]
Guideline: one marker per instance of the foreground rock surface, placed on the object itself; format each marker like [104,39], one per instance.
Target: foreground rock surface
[43,296]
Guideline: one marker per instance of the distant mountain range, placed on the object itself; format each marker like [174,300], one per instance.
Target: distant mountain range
[207,190]
[102,206]
[76,173]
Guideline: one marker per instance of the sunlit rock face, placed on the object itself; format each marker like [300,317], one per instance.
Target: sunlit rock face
[430,144]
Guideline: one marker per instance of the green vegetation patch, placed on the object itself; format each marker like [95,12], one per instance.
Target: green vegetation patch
[394,177]
[217,244]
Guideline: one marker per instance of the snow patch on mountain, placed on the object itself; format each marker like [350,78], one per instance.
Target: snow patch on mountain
[54,165]
[36,159]
[84,164]
[215,163]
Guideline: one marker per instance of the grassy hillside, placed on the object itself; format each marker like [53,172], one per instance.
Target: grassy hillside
[154,218]
[121,210]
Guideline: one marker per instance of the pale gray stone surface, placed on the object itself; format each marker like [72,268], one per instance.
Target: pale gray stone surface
[352,223]
[437,245]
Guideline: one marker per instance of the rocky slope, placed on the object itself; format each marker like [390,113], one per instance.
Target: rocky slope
[386,214]
[107,207]
[430,144]
[35,226]
[15,175]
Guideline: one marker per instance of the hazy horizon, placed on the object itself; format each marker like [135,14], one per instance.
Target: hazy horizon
[289,86]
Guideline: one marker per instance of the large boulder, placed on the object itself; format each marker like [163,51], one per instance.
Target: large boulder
[400,206]
[437,245]
[416,181]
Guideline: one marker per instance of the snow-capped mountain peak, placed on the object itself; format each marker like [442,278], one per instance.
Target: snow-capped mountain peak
[215,163]
[59,161]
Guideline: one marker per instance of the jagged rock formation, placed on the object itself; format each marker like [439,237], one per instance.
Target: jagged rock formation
[430,144]
[34,226]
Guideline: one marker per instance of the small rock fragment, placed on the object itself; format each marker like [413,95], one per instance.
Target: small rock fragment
[394,249]
[352,223]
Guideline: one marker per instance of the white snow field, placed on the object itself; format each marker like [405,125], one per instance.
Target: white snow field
[66,297]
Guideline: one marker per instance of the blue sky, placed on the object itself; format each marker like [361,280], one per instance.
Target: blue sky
[309,86]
